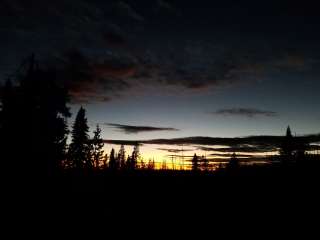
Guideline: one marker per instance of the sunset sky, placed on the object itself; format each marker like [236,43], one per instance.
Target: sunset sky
[169,69]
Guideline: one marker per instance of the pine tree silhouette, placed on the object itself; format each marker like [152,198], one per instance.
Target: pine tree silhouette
[97,146]
[122,157]
[195,163]
[112,161]
[35,109]
[288,146]
[132,162]
[79,149]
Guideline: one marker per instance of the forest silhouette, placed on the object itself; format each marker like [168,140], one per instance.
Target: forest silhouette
[34,115]
[82,181]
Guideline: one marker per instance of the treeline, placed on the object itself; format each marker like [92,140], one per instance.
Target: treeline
[34,129]
[87,153]
[34,132]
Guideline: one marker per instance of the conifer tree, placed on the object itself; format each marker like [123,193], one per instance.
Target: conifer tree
[122,157]
[97,147]
[38,100]
[195,163]
[132,163]
[287,146]
[112,160]
[80,146]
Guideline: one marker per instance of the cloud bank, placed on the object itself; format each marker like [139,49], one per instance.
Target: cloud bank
[129,129]
[106,49]
[245,112]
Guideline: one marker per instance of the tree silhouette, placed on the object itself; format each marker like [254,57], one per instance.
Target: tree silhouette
[35,109]
[288,146]
[112,161]
[132,162]
[122,157]
[234,162]
[128,163]
[79,149]
[44,102]
[97,146]
[195,163]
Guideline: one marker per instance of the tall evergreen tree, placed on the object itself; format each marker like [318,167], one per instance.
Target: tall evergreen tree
[112,160]
[35,109]
[79,149]
[288,146]
[132,163]
[195,163]
[97,147]
[122,157]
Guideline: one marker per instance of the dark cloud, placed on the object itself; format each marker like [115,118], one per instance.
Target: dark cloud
[129,129]
[259,142]
[122,142]
[246,148]
[92,79]
[220,158]
[242,148]
[128,44]
[246,112]
[170,150]
[179,156]
[229,155]
[251,144]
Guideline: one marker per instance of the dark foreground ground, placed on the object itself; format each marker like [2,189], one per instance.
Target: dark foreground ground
[274,195]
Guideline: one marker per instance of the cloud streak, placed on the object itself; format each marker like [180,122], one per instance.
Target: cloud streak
[251,147]
[237,144]
[245,148]
[245,112]
[170,150]
[130,129]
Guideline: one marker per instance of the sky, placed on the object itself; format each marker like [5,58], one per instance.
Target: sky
[175,69]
